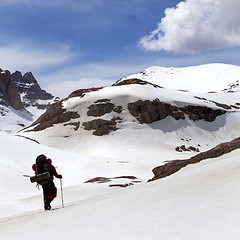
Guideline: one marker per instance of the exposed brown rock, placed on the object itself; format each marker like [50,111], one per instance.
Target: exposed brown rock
[183,90]
[102,100]
[99,180]
[107,179]
[128,177]
[227,107]
[75,124]
[135,81]
[183,148]
[102,127]
[98,110]
[54,115]
[121,185]
[118,109]
[81,92]
[9,91]
[28,85]
[196,113]
[149,111]
[175,165]
[193,149]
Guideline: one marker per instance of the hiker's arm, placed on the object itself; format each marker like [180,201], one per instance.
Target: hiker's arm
[55,172]
[34,168]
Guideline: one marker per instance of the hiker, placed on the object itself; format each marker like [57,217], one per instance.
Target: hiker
[44,164]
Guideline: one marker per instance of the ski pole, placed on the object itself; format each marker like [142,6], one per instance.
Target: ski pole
[61,192]
[25,175]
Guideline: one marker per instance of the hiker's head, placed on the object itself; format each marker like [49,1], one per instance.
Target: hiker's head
[42,156]
[49,161]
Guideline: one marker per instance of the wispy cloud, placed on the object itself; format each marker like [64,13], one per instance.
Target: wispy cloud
[195,26]
[63,82]
[63,89]
[24,57]
[90,6]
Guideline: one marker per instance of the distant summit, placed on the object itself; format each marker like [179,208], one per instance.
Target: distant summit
[21,100]
[30,90]
[9,95]
[204,78]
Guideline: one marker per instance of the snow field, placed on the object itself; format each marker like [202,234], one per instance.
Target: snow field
[212,77]
[198,202]
[201,201]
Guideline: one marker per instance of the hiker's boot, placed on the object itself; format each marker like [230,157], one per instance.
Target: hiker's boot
[47,205]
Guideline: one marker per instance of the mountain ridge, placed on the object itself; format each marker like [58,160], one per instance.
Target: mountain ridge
[197,121]
[211,77]
[21,100]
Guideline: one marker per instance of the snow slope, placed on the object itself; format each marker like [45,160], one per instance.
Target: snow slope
[18,154]
[199,202]
[159,137]
[12,120]
[203,78]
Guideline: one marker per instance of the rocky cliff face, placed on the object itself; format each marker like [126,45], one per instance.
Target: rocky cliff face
[30,90]
[20,91]
[151,111]
[17,93]
[9,92]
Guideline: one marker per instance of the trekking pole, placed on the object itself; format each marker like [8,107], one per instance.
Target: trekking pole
[61,192]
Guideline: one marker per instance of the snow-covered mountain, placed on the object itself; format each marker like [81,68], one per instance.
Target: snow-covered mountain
[148,116]
[203,78]
[109,142]
[21,100]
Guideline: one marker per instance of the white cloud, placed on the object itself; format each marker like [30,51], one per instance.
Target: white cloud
[195,26]
[25,57]
[63,89]
[69,79]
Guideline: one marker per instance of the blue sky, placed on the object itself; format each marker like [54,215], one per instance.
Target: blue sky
[74,43]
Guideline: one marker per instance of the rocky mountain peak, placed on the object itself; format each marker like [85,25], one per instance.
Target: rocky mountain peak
[9,91]
[17,76]
[17,93]
[29,78]
[30,90]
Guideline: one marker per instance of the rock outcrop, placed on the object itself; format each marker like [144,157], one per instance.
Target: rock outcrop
[13,86]
[21,100]
[102,107]
[55,114]
[102,127]
[232,87]
[135,81]
[9,92]
[150,111]
[28,86]
[175,165]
